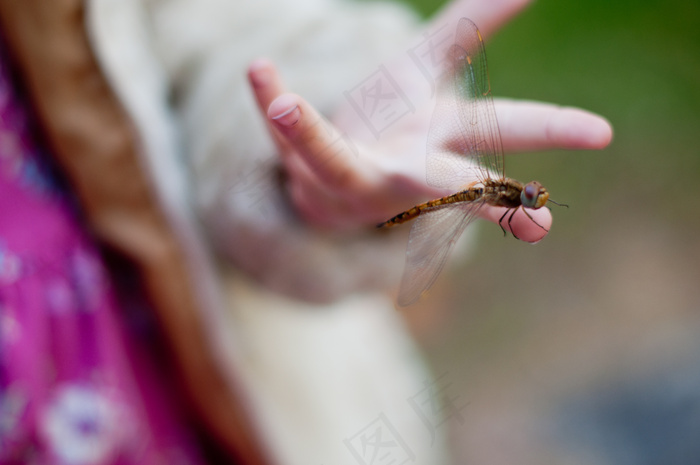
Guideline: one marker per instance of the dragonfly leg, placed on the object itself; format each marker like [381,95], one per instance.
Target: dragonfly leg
[533,220]
[510,218]
[500,223]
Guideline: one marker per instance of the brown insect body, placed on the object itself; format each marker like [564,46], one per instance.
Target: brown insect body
[506,192]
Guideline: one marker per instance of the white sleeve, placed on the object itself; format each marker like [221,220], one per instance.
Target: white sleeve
[322,48]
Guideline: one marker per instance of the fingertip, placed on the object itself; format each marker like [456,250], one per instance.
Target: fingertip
[532,228]
[489,16]
[584,130]
[260,64]
[260,71]
[601,133]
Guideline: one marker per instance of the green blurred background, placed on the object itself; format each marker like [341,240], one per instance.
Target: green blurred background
[585,348]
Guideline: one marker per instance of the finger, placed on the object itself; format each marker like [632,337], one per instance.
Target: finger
[330,156]
[489,16]
[527,126]
[521,226]
[265,80]
[267,85]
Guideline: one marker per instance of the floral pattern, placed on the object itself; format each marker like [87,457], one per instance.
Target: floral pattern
[78,386]
[83,425]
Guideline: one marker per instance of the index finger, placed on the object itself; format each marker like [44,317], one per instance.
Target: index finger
[267,85]
[329,154]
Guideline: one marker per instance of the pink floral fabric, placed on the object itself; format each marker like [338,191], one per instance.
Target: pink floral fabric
[78,383]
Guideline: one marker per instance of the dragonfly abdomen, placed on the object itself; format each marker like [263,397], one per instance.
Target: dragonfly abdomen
[468,195]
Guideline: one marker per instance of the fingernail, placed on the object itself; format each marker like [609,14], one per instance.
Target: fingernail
[289,117]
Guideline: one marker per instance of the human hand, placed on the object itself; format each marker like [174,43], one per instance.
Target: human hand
[340,183]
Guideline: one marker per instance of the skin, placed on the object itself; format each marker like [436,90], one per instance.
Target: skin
[355,192]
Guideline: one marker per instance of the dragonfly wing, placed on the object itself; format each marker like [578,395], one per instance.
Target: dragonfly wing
[432,237]
[464,142]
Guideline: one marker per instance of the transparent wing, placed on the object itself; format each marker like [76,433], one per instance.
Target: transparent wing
[432,237]
[464,142]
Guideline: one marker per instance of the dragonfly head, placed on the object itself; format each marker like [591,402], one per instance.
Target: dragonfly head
[534,195]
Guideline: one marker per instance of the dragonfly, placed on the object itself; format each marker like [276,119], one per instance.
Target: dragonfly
[465,152]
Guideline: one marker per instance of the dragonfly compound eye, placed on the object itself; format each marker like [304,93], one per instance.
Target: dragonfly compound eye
[533,195]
